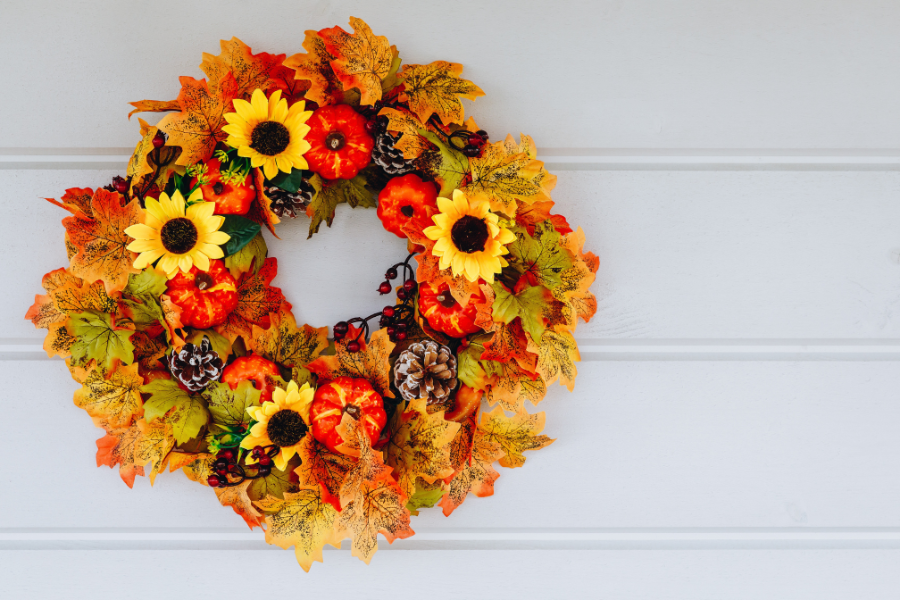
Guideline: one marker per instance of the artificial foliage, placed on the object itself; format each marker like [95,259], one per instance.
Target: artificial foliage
[189,357]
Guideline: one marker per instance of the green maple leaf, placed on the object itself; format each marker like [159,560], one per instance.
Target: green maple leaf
[541,254]
[97,338]
[251,255]
[446,165]
[470,370]
[330,194]
[528,305]
[425,496]
[188,412]
[275,483]
[147,282]
[229,407]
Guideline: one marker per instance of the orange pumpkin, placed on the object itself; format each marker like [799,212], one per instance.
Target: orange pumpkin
[339,143]
[206,298]
[346,395]
[445,314]
[252,368]
[406,201]
[230,199]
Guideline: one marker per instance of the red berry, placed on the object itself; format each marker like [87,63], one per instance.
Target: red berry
[338,336]
[391,273]
[353,347]
[401,335]
[213,481]
[391,331]
[402,294]
[388,311]
[401,326]
[121,184]
[264,470]
[341,327]
[409,285]
[222,471]
[228,455]
[265,459]
[159,139]
[258,450]
[384,288]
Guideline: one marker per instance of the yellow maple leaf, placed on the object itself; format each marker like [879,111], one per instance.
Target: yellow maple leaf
[577,279]
[116,397]
[372,362]
[236,497]
[557,354]
[514,434]
[361,59]
[436,89]
[506,172]
[285,343]
[315,67]
[153,445]
[407,127]
[303,520]
[420,445]
[197,467]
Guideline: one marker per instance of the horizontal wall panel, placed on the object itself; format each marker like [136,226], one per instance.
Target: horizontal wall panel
[701,255]
[639,445]
[588,73]
[444,575]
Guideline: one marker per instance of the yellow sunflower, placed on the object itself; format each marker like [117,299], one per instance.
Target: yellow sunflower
[178,238]
[469,240]
[282,422]
[269,133]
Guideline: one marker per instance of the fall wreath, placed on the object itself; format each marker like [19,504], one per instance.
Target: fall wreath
[190,359]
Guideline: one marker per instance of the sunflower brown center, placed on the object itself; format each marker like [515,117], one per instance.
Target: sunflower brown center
[178,235]
[335,141]
[270,138]
[286,428]
[469,234]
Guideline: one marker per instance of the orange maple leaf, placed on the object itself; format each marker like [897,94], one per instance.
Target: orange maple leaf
[261,209]
[320,466]
[236,497]
[114,397]
[315,67]
[76,200]
[256,300]
[250,71]
[100,241]
[197,128]
[477,474]
[436,89]
[153,446]
[361,59]
[557,354]
[370,363]
[117,448]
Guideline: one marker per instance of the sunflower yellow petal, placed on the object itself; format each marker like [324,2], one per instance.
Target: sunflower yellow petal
[169,265]
[145,259]
[201,211]
[472,268]
[270,168]
[146,245]
[260,104]
[200,259]
[152,206]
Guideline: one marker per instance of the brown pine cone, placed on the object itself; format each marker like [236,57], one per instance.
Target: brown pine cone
[426,370]
[288,204]
[389,158]
[196,366]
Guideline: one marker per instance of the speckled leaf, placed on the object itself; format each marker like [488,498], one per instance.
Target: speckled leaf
[541,256]
[100,241]
[116,398]
[76,200]
[320,466]
[361,59]
[285,343]
[197,128]
[277,483]
[236,497]
[420,446]
[117,448]
[98,338]
[557,354]
[303,520]
[229,407]
[315,67]
[514,434]
[370,363]
[375,507]
[256,300]
[477,475]
[153,446]
[329,194]
[250,71]
[436,89]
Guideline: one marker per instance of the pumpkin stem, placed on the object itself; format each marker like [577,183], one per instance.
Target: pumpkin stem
[204,280]
[353,411]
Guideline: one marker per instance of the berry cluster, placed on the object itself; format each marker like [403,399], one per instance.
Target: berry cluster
[470,144]
[230,472]
[395,318]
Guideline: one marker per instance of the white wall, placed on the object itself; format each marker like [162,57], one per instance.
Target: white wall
[733,431]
